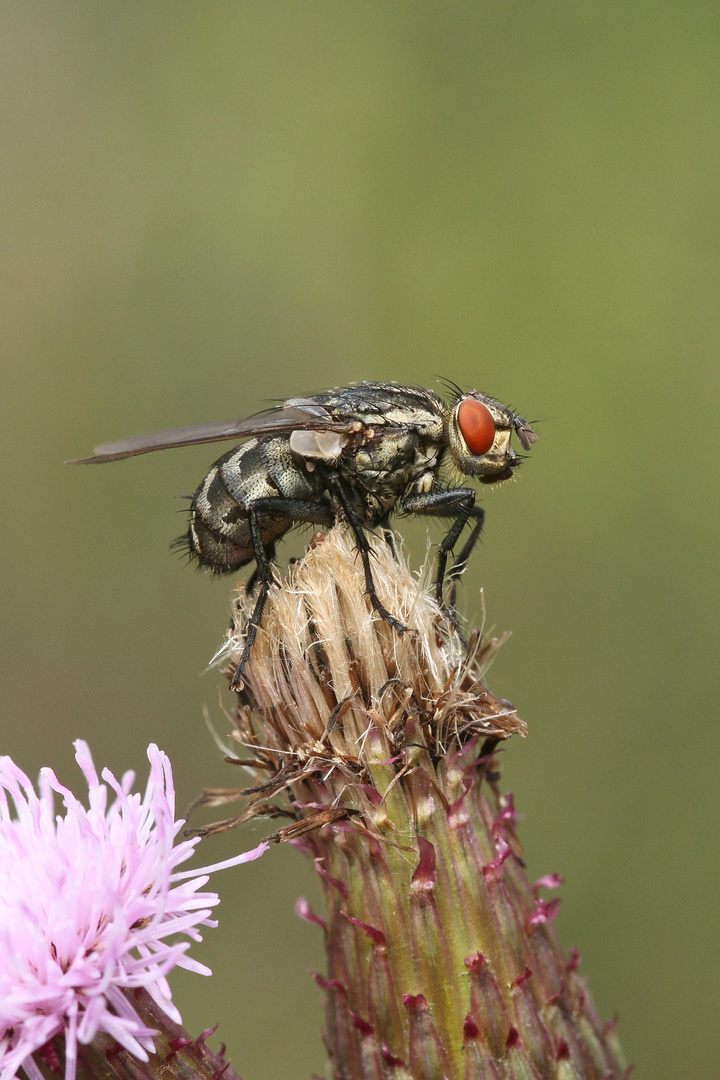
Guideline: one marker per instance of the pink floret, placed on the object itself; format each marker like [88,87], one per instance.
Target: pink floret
[91,906]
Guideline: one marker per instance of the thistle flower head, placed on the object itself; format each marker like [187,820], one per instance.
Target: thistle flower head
[339,693]
[442,958]
[91,905]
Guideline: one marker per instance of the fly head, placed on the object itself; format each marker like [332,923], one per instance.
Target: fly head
[479,431]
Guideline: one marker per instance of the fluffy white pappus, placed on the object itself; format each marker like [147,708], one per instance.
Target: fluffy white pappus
[91,905]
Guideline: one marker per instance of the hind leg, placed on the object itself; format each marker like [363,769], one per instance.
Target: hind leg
[291,510]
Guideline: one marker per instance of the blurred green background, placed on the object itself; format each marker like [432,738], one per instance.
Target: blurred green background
[207,206]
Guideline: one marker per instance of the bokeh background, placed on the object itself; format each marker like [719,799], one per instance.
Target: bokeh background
[204,207]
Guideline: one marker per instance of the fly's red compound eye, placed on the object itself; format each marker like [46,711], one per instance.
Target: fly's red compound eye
[477,426]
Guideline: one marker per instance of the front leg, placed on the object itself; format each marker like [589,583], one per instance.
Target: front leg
[335,485]
[452,501]
[460,565]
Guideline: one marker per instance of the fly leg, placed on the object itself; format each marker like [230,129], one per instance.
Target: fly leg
[460,502]
[460,565]
[253,579]
[261,574]
[364,548]
[387,532]
[290,510]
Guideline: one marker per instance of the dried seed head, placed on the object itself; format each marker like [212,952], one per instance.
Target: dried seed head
[442,959]
[340,692]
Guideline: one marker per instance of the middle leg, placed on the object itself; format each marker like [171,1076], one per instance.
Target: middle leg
[364,548]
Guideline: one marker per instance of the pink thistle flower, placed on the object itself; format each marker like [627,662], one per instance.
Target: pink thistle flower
[91,905]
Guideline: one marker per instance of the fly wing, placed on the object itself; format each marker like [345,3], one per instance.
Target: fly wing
[295,414]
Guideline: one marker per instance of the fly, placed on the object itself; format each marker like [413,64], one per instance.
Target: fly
[354,454]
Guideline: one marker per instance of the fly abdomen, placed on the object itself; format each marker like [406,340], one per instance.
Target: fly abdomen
[265,468]
[219,534]
[220,554]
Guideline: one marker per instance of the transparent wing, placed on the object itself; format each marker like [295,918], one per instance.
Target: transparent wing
[297,413]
